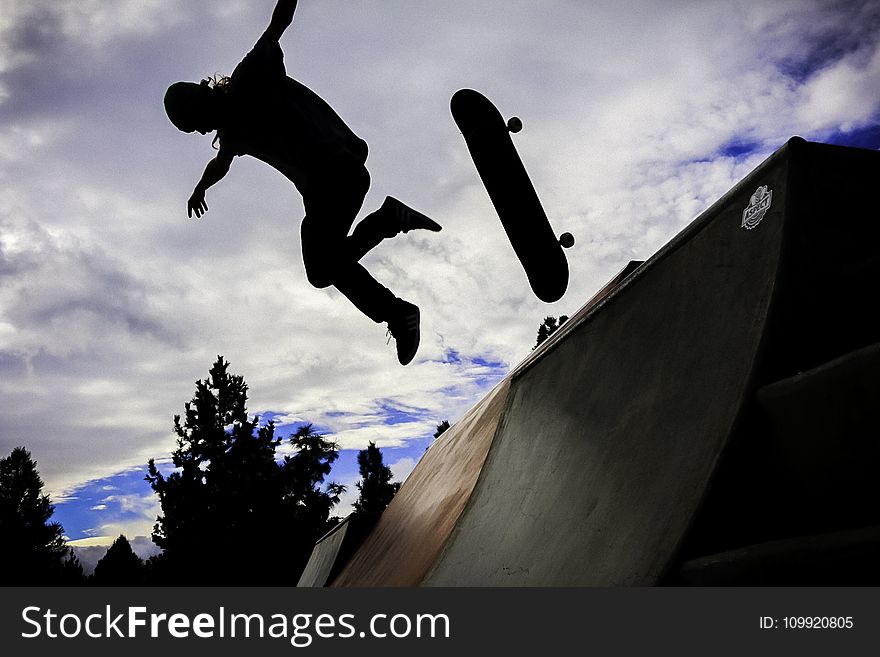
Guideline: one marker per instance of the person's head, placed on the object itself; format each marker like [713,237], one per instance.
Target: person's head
[192,107]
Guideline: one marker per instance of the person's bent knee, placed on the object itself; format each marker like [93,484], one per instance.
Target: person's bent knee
[319,276]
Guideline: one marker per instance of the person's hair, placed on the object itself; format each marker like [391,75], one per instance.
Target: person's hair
[217,82]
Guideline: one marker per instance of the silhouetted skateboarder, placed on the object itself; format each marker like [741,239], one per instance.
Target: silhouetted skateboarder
[260,111]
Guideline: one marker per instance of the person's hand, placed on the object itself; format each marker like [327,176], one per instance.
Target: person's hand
[196,204]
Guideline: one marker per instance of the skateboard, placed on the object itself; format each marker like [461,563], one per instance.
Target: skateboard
[488,139]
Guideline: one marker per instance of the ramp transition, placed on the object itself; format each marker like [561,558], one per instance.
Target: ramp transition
[658,436]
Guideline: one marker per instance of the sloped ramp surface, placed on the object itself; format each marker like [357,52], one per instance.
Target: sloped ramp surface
[610,438]
[598,460]
[333,550]
[416,525]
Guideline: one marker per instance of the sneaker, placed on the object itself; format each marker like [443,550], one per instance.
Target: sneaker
[404,328]
[407,219]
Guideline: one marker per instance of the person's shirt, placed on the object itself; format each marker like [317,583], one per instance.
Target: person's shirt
[278,120]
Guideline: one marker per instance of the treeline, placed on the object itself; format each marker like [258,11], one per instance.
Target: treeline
[242,506]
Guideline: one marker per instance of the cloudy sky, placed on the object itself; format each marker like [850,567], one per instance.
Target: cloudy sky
[638,115]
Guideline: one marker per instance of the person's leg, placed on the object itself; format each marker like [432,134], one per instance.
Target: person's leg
[332,203]
[393,218]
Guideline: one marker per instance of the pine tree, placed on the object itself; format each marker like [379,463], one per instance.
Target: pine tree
[120,566]
[441,429]
[230,509]
[306,500]
[206,501]
[548,327]
[375,486]
[32,549]
[71,572]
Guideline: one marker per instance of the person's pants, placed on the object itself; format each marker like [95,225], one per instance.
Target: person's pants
[333,199]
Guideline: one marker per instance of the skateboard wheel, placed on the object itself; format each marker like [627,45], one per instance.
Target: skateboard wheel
[514,124]
[566,240]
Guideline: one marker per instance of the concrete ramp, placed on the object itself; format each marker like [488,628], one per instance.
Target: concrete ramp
[632,441]
[610,438]
[416,525]
[333,550]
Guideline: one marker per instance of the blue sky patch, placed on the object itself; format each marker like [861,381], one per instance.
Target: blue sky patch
[395,414]
[496,365]
[102,501]
[739,148]
[864,137]
[823,50]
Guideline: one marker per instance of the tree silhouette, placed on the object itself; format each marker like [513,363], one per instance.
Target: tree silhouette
[548,327]
[120,566]
[32,549]
[71,572]
[230,509]
[441,428]
[304,473]
[375,486]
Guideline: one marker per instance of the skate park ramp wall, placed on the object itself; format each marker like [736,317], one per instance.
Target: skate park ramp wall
[644,444]
[333,550]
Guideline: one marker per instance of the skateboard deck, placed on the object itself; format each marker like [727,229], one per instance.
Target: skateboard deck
[511,191]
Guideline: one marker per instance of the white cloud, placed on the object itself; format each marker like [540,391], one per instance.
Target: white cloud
[402,468]
[844,95]
[383,436]
[112,302]
[93,23]
[131,515]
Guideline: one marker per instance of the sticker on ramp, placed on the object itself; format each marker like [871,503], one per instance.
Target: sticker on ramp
[757,207]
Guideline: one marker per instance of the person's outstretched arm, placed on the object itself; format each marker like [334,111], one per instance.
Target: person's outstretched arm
[214,172]
[282,17]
